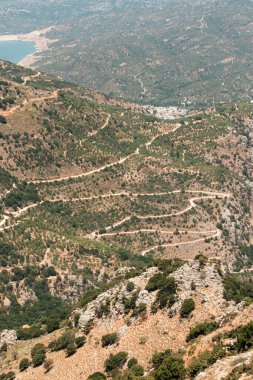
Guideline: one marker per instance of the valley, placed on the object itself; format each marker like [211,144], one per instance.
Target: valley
[187,54]
[122,233]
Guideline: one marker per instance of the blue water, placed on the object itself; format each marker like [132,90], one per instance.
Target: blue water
[15,51]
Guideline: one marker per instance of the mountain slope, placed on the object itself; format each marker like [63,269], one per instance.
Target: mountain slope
[94,192]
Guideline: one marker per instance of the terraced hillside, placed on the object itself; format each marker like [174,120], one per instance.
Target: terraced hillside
[94,191]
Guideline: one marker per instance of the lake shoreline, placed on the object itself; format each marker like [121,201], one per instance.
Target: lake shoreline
[38,37]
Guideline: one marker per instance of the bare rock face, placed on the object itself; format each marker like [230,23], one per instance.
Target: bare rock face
[222,368]
[144,297]
[8,336]
[68,289]
[112,300]
[6,302]
[24,294]
[202,283]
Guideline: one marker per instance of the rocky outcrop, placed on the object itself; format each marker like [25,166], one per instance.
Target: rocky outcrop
[113,298]
[203,284]
[24,294]
[8,336]
[70,288]
[223,368]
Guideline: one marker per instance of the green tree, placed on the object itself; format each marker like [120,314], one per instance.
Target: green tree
[172,368]
[115,361]
[71,349]
[24,364]
[109,339]
[97,376]
[132,362]
[137,370]
[38,354]
[187,307]
[79,341]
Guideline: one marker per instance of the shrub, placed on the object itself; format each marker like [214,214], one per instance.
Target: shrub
[97,376]
[79,341]
[238,288]
[156,282]
[109,339]
[187,307]
[132,362]
[204,328]
[130,286]
[202,260]
[4,347]
[63,341]
[165,300]
[71,349]
[130,303]
[22,195]
[115,361]
[3,120]
[158,357]
[52,325]
[244,337]
[205,359]
[8,376]
[171,368]
[137,370]
[48,365]
[24,364]
[38,354]
[166,295]
[76,319]
[168,265]
[140,310]
[29,333]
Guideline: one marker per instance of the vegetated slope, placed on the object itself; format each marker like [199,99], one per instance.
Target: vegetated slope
[95,192]
[165,52]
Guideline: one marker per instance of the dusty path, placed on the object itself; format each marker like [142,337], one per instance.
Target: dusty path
[101,168]
[95,234]
[208,195]
[15,215]
[54,95]
[212,233]
[28,78]
[216,234]
[102,127]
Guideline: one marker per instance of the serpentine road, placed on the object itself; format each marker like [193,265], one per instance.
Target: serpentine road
[95,234]
[101,168]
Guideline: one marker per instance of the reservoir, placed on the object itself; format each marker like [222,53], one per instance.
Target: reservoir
[15,51]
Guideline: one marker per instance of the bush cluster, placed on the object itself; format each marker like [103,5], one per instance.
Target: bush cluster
[187,307]
[115,361]
[109,339]
[38,354]
[203,328]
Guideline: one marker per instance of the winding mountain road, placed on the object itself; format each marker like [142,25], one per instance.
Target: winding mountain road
[102,127]
[203,195]
[9,112]
[106,166]
[208,195]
